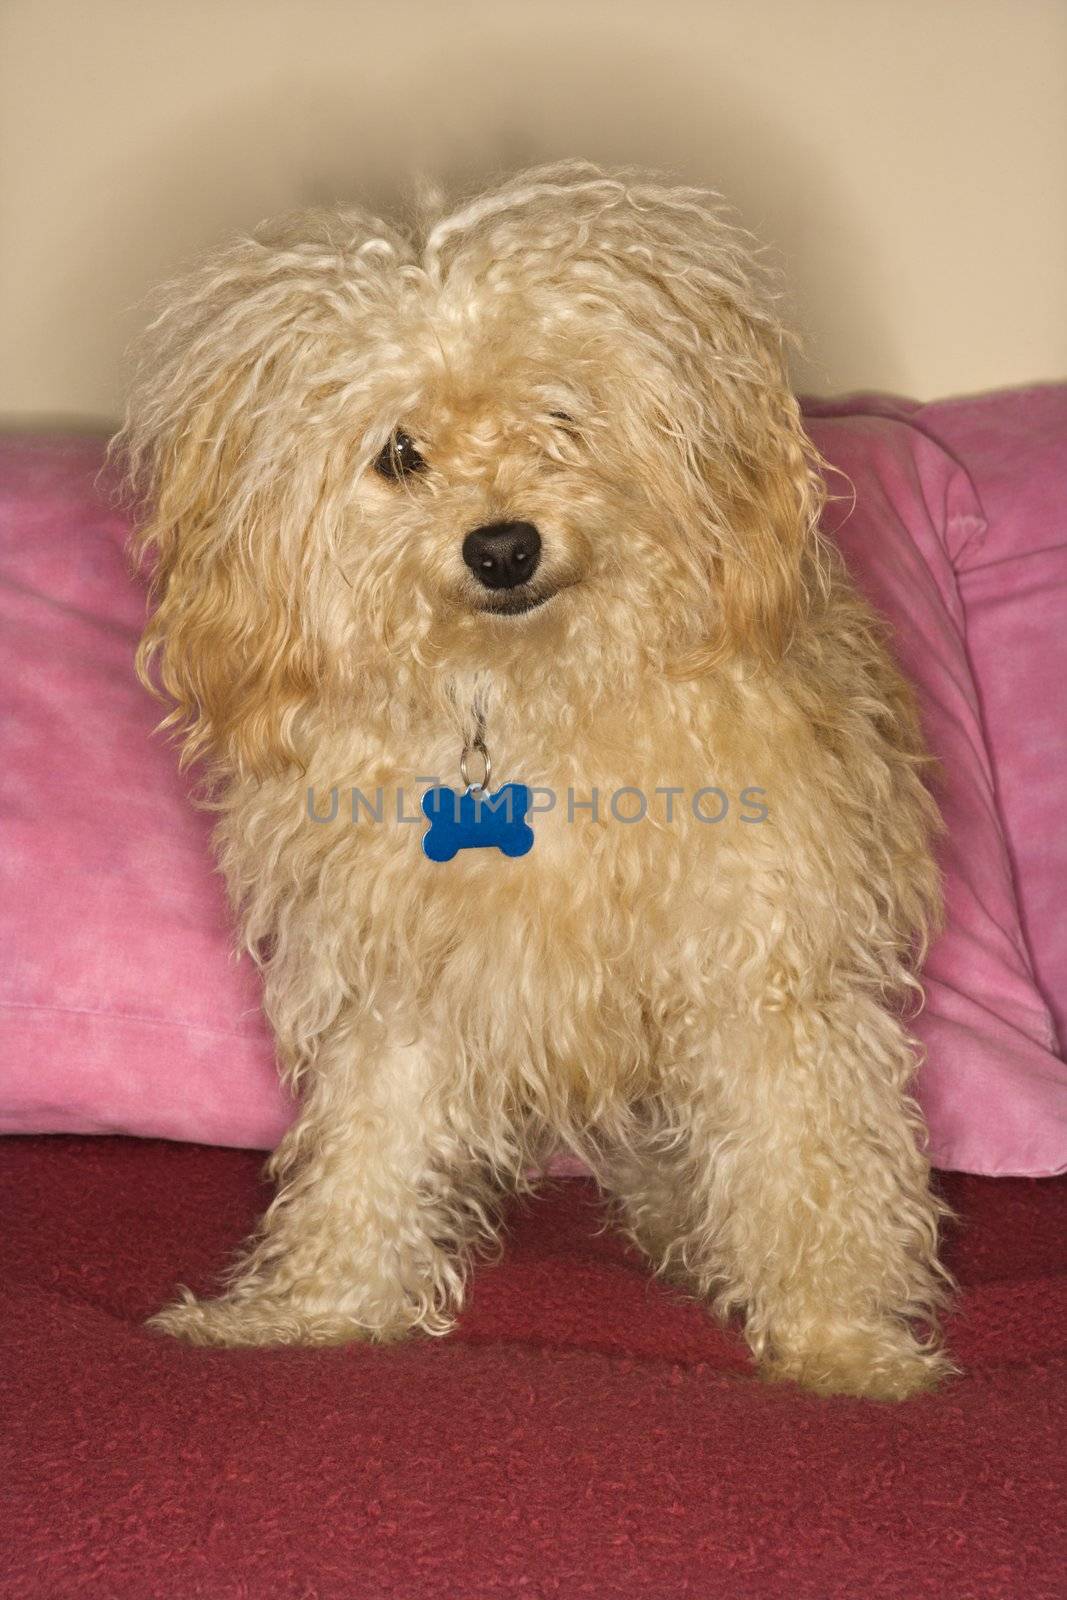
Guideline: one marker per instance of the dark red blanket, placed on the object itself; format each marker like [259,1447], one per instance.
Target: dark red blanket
[585,1433]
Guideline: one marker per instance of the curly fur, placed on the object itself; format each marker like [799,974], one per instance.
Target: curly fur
[710,1016]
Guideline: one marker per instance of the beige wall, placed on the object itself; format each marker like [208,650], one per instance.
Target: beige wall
[904,157]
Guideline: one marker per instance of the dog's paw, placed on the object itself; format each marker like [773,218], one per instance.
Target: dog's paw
[237,1321]
[873,1364]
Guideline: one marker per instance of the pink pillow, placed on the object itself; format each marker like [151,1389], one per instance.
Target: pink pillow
[993,1089]
[120,1009]
[1013,581]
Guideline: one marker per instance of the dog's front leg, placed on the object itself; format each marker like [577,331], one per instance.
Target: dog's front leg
[367,1234]
[784,1182]
[819,1204]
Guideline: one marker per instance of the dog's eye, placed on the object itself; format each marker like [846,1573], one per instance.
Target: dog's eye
[399,458]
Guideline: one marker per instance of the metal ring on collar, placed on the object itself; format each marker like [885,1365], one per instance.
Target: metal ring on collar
[476,747]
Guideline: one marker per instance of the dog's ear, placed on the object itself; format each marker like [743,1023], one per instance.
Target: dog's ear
[228,446]
[226,640]
[751,488]
[760,489]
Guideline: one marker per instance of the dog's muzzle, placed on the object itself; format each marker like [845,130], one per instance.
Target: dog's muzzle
[503,555]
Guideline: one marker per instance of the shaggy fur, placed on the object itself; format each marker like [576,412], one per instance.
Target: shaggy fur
[710,1015]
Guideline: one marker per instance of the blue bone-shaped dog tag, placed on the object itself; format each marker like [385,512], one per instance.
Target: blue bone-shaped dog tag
[477,820]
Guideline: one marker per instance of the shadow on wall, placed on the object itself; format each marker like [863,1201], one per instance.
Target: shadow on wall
[459,120]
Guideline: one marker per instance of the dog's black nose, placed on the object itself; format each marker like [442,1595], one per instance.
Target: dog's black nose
[503,554]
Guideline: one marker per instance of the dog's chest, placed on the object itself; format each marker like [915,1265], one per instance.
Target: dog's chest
[580,948]
[631,852]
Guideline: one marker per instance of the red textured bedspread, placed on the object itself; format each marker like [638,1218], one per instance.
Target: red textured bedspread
[586,1432]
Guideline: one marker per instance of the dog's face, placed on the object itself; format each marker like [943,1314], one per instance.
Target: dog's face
[520,506]
[496,495]
[552,440]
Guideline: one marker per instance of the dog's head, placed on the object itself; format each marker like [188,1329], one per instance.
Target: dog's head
[552,438]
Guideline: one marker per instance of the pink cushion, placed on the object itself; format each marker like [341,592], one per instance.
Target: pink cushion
[993,1089]
[120,1009]
[1013,581]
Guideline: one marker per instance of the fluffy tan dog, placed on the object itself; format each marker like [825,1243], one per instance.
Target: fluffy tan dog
[534,475]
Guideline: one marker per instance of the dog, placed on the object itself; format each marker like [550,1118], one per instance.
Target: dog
[523,488]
